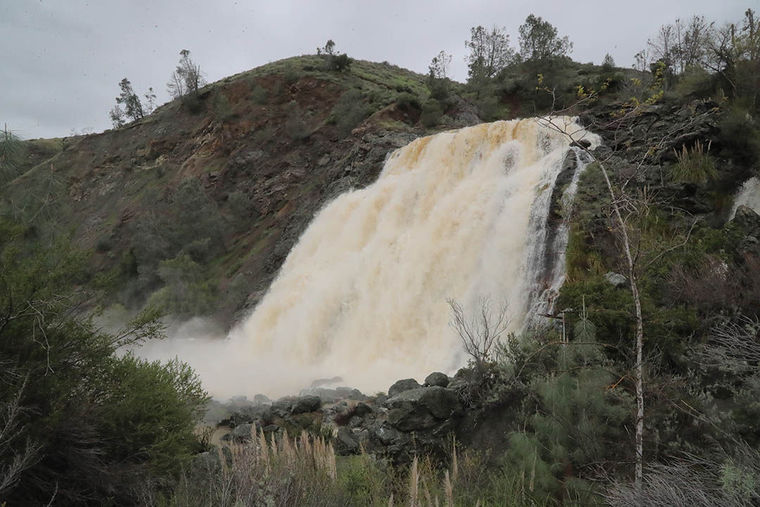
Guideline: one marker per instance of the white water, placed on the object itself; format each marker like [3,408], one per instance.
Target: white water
[749,195]
[363,294]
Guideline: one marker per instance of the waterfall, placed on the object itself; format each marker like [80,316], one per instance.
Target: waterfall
[748,195]
[461,214]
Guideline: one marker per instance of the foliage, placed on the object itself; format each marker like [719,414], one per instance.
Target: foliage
[128,105]
[11,153]
[489,53]
[694,165]
[579,415]
[539,40]
[66,395]
[349,111]
[333,60]
[739,136]
[431,114]
[437,81]
[187,78]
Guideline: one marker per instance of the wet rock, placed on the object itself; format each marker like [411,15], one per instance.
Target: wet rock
[348,393]
[422,408]
[345,442]
[437,379]
[746,217]
[616,279]
[362,409]
[403,385]
[388,435]
[282,407]
[305,404]
[242,432]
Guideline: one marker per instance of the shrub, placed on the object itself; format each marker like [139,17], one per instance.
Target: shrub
[431,113]
[94,424]
[739,137]
[269,471]
[295,125]
[339,63]
[694,165]
[221,107]
[408,100]
[350,111]
[259,94]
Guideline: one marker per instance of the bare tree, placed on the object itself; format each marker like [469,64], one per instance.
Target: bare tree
[480,332]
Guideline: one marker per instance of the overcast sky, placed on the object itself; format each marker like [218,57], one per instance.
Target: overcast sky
[62,60]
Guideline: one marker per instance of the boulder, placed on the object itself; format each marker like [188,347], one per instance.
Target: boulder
[282,407]
[242,432]
[305,404]
[362,409]
[422,408]
[746,217]
[437,379]
[403,385]
[616,279]
[345,442]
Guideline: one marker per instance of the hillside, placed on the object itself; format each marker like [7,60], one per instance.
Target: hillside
[217,191]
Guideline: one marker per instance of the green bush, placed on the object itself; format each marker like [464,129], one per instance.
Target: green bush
[259,94]
[694,165]
[88,427]
[339,63]
[149,413]
[408,100]
[739,137]
[431,113]
[221,107]
[295,124]
[350,110]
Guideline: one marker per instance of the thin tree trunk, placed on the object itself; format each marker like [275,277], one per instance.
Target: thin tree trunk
[639,370]
[631,265]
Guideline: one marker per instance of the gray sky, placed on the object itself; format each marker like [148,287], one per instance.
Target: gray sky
[63,59]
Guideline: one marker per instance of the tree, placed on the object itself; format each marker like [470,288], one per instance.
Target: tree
[539,40]
[11,150]
[128,105]
[187,78]
[334,61]
[437,81]
[132,106]
[481,332]
[608,62]
[490,52]
[150,101]
[328,49]
[78,423]
[439,66]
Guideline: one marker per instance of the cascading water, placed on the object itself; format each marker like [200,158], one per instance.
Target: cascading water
[473,214]
[363,294]
[748,195]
